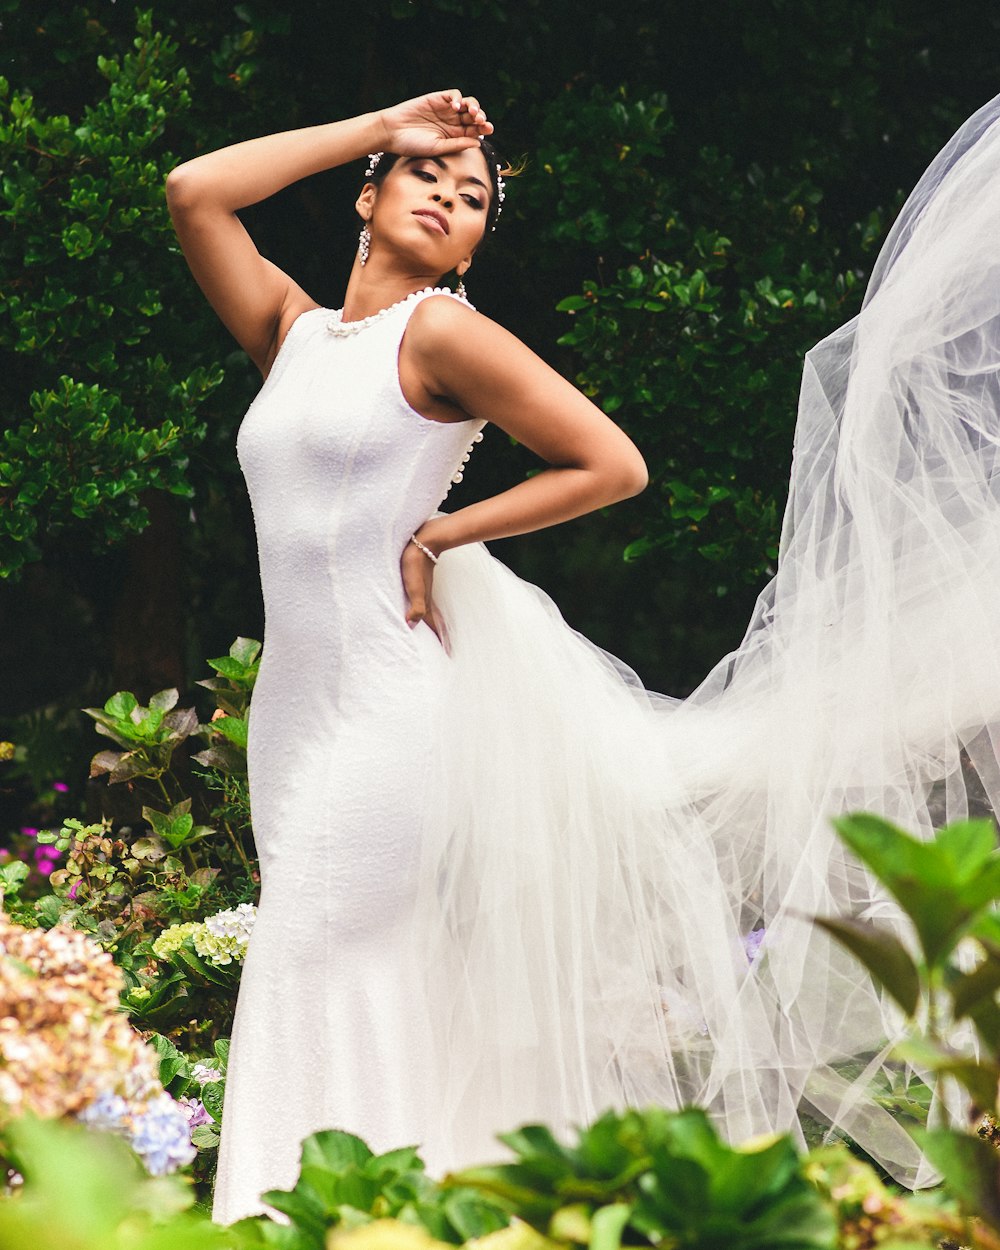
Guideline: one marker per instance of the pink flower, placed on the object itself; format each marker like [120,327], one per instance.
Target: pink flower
[46,857]
[61,786]
[74,887]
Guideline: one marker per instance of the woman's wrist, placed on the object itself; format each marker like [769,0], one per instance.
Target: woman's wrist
[437,535]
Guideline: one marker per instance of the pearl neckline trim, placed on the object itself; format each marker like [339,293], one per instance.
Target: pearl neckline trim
[337,326]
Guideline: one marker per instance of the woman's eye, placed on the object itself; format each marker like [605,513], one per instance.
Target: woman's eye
[425,173]
[473,202]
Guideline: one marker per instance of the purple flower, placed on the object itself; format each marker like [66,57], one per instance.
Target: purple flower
[29,831]
[61,786]
[194,1110]
[752,943]
[74,887]
[162,1137]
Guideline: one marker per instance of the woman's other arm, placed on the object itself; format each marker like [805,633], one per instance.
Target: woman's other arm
[493,376]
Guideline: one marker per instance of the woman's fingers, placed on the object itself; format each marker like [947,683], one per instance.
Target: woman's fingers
[418,579]
[417,571]
[468,109]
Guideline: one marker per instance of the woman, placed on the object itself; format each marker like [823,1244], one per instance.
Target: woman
[499,881]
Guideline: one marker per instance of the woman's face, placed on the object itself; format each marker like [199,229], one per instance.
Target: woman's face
[434,208]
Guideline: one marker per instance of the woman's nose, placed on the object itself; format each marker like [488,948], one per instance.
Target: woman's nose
[440,199]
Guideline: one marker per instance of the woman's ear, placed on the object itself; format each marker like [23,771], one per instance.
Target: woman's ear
[365,203]
[463,266]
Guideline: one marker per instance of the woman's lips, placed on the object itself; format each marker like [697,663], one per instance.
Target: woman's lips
[433,219]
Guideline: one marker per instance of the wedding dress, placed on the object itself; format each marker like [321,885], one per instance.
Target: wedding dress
[500,881]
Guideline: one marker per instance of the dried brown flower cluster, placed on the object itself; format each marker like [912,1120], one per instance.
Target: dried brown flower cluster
[63,1038]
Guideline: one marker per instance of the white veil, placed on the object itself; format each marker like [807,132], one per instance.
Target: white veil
[597,855]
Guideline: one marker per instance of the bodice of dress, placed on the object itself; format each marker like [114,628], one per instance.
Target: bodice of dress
[341,470]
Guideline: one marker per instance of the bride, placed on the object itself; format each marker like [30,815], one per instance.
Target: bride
[500,881]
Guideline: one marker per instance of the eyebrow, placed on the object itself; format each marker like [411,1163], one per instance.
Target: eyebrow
[441,165]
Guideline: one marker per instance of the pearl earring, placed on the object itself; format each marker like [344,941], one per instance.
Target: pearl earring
[364,243]
[460,290]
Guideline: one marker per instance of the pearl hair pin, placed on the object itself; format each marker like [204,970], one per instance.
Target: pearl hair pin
[375,157]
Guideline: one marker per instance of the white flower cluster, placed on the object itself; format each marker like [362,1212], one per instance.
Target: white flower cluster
[224,936]
[221,938]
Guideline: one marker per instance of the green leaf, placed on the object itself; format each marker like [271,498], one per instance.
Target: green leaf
[882,953]
[471,1216]
[121,705]
[245,650]
[203,968]
[968,990]
[221,1051]
[936,893]
[13,874]
[608,1225]
[335,1150]
[233,728]
[969,1166]
[212,1096]
[205,1137]
[164,700]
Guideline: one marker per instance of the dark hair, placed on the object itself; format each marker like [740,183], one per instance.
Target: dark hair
[495,166]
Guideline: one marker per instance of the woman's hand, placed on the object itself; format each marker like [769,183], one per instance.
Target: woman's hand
[417,569]
[434,124]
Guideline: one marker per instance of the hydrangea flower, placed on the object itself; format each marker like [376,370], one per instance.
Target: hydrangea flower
[172,938]
[203,1073]
[161,1136]
[65,1040]
[195,1112]
[108,1112]
[223,937]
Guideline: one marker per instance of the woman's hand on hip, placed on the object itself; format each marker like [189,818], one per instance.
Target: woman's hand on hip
[433,124]
[417,569]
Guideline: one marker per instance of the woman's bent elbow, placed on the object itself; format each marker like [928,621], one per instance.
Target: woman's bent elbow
[179,188]
[634,478]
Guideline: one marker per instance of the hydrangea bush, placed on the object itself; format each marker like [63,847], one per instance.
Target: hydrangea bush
[66,1049]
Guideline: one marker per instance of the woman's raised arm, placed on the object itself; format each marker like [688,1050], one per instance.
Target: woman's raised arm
[253,297]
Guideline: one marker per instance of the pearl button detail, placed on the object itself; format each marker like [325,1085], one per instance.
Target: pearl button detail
[458,475]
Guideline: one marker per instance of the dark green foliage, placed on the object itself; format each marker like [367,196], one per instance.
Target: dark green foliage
[948,889]
[341,1181]
[710,283]
[658,1177]
[93,414]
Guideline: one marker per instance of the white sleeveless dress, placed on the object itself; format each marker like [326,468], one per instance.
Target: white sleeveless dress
[501,882]
[329,1023]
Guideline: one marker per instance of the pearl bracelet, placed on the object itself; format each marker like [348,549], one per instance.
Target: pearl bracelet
[426,550]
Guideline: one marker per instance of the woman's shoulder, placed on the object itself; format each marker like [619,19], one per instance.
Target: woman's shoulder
[442,319]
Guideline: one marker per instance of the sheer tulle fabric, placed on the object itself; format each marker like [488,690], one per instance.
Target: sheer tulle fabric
[595,855]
